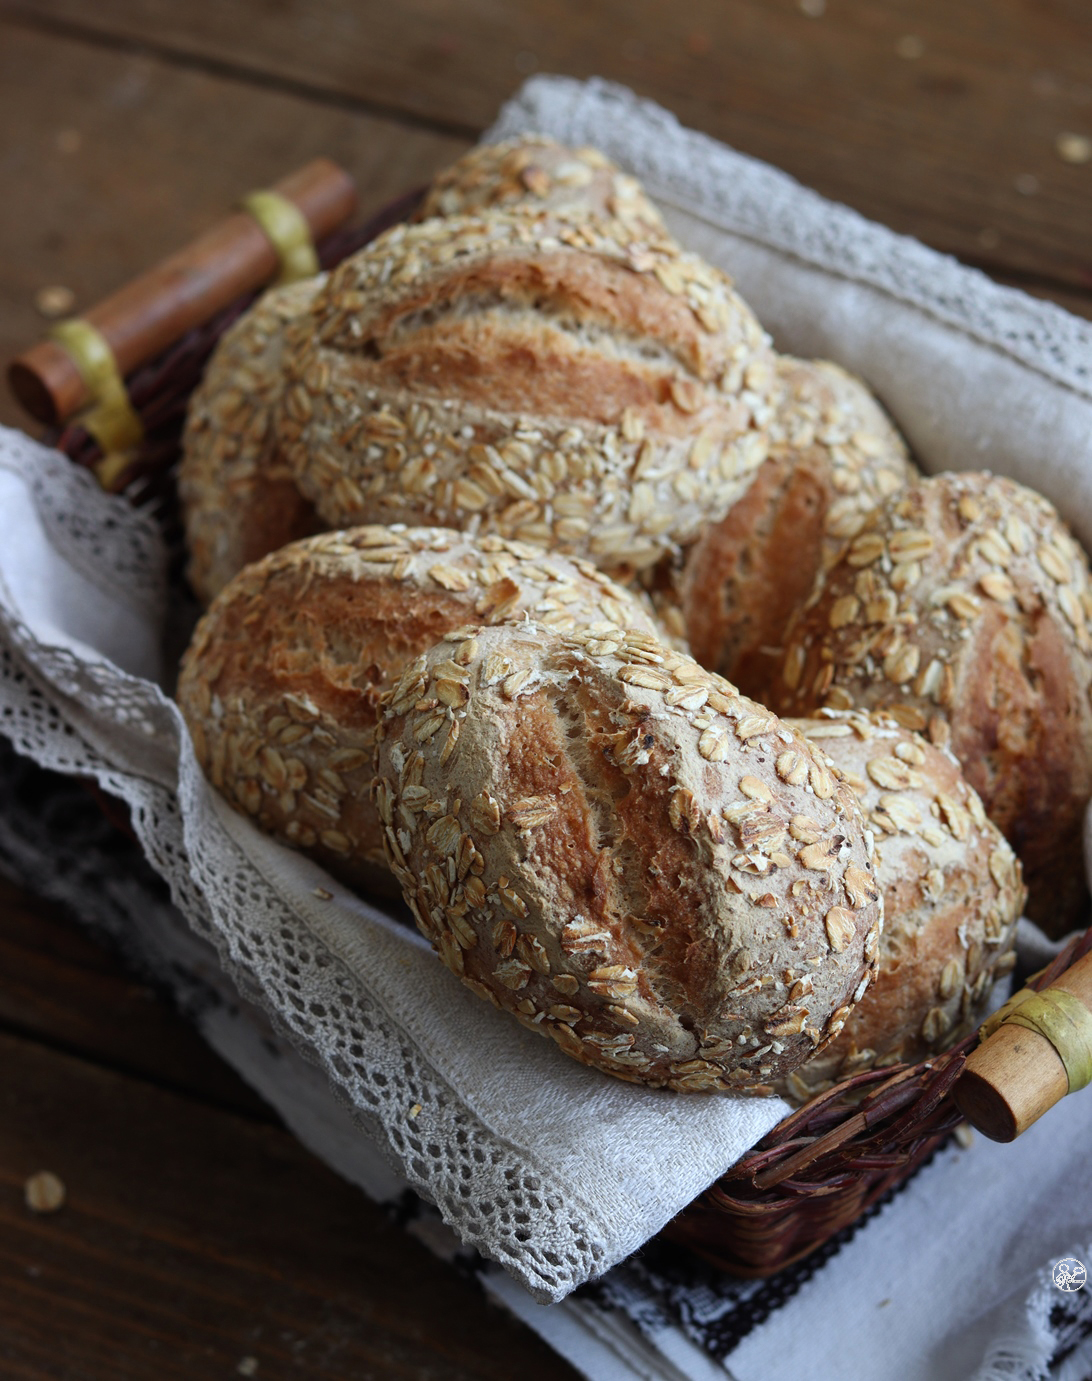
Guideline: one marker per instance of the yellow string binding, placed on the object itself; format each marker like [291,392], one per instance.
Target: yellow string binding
[286,227]
[109,416]
[1058,1016]
[1067,1024]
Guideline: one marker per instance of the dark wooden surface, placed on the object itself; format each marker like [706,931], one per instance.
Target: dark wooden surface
[197,1233]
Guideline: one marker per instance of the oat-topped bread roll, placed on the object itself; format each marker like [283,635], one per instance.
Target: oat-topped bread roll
[952,895]
[536,171]
[834,455]
[557,382]
[239,498]
[612,844]
[962,608]
[282,679]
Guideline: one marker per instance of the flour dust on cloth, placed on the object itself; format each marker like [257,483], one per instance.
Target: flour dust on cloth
[545,1166]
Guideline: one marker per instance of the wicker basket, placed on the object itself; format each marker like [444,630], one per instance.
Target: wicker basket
[822,1167]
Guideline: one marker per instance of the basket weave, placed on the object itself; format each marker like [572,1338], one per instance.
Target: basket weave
[822,1167]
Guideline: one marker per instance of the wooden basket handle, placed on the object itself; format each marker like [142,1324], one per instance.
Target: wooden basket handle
[141,320]
[1040,1050]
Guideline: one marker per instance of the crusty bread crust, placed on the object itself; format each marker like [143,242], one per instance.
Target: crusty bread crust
[834,455]
[556,381]
[239,497]
[952,893]
[612,844]
[962,607]
[534,171]
[281,682]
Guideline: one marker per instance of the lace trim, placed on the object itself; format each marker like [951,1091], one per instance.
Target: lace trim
[85,525]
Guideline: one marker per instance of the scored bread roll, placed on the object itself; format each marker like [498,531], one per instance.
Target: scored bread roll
[556,381]
[610,843]
[536,171]
[962,607]
[834,455]
[952,895]
[239,498]
[281,681]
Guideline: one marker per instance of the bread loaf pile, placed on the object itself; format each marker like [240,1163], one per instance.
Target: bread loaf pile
[554,453]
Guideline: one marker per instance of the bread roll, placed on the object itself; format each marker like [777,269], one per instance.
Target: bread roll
[834,455]
[239,498]
[612,844]
[952,895]
[282,679]
[535,171]
[962,608]
[560,382]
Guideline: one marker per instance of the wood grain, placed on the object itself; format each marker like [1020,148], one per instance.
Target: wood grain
[192,1238]
[926,115]
[157,155]
[60,987]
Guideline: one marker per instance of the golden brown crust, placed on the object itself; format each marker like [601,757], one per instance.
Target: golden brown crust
[281,682]
[952,896]
[963,607]
[554,380]
[612,844]
[239,498]
[834,455]
[534,171]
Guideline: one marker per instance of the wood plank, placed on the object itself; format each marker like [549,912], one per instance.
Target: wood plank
[60,987]
[938,119]
[192,1239]
[117,159]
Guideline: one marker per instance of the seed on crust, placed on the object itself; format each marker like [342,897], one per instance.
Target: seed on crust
[820,857]
[861,888]
[840,927]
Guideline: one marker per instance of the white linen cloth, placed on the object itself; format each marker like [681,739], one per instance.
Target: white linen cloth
[548,1168]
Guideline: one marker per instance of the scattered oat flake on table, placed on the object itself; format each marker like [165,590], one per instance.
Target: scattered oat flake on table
[45,1193]
[910,46]
[322,894]
[248,1366]
[1073,148]
[813,8]
[54,301]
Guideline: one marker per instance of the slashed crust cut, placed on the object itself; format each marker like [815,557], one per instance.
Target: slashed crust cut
[952,893]
[281,682]
[557,381]
[537,172]
[962,608]
[834,455]
[239,497]
[612,844]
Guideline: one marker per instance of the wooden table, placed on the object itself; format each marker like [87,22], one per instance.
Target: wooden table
[197,1233]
